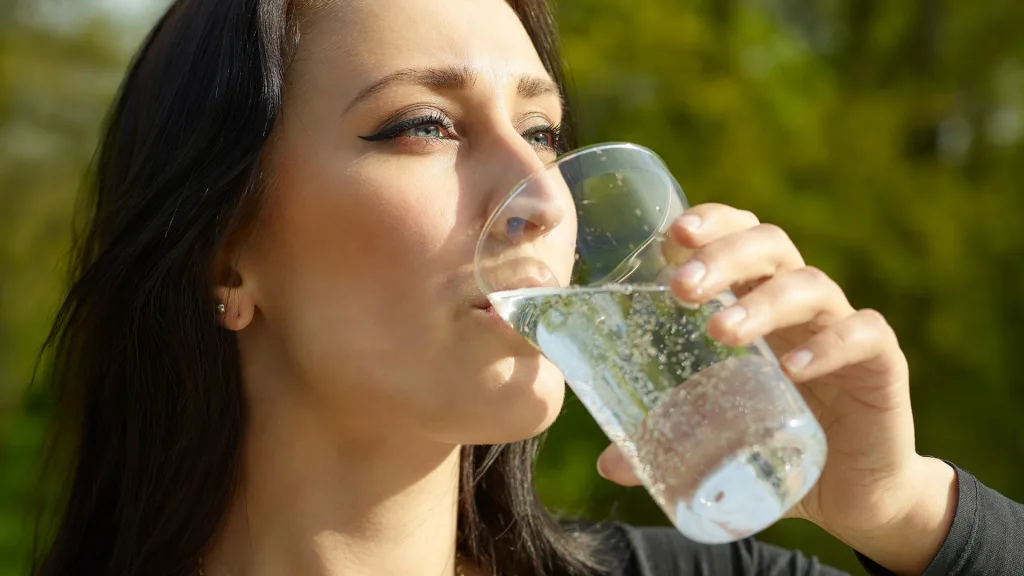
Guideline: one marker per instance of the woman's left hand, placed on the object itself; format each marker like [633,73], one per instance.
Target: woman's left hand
[851,371]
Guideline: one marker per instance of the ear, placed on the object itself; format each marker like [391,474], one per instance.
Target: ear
[235,304]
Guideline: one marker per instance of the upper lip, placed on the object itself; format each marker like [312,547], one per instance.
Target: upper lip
[514,283]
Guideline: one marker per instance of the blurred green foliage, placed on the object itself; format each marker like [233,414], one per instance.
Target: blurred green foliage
[886,137]
[56,81]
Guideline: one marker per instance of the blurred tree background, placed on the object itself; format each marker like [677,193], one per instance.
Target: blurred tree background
[886,137]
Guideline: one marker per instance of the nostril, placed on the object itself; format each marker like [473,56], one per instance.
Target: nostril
[518,228]
[515,226]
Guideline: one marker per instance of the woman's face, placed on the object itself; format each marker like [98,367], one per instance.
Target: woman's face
[405,123]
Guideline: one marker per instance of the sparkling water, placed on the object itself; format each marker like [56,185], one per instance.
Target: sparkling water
[719,436]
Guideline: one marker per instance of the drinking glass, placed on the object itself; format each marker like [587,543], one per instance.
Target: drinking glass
[577,259]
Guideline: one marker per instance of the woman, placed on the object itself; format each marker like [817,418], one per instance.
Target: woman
[274,358]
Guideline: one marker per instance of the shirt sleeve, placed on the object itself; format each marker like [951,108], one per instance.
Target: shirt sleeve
[665,552]
[985,539]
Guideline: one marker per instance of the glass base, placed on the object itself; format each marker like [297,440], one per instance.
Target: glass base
[751,490]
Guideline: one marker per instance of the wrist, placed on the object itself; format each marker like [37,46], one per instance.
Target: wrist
[907,544]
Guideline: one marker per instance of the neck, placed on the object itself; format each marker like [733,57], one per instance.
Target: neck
[311,503]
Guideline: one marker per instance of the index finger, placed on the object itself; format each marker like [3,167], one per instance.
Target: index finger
[705,223]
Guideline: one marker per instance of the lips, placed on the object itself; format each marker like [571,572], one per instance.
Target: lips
[516,283]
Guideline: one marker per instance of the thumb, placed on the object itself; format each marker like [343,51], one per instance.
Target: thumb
[614,466]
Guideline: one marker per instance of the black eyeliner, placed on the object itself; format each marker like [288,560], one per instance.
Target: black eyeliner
[394,130]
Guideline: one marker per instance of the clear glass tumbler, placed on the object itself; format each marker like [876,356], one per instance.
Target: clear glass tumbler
[576,259]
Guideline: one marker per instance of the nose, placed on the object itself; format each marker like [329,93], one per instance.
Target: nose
[539,204]
[536,210]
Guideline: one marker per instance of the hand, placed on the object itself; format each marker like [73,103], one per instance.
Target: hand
[846,363]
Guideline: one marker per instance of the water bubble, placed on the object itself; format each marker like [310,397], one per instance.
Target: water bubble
[556,318]
[638,212]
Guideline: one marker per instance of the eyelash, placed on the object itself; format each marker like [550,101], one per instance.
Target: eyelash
[557,143]
[397,130]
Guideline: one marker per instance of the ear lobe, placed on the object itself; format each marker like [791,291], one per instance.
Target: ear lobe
[234,305]
[234,308]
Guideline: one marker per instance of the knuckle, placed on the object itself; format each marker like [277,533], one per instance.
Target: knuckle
[821,281]
[852,334]
[836,338]
[749,216]
[874,320]
[782,245]
[725,250]
[709,208]
[710,254]
[863,327]
[773,230]
[788,253]
[726,213]
[817,275]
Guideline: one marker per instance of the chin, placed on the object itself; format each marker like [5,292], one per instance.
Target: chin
[520,410]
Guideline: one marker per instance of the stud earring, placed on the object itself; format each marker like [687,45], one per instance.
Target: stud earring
[221,308]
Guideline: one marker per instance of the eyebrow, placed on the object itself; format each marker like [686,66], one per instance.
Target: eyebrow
[452,78]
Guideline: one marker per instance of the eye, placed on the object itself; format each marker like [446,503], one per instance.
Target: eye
[546,137]
[430,127]
[426,131]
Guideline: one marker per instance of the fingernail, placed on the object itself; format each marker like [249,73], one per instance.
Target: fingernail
[798,360]
[692,273]
[732,317]
[600,470]
[690,222]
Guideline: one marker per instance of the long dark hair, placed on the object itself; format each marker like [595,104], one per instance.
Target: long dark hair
[149,410]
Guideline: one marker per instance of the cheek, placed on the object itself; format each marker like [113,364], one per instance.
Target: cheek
[405,211]
[350,264]
[357,233]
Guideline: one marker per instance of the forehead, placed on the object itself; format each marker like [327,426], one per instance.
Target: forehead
[358,41]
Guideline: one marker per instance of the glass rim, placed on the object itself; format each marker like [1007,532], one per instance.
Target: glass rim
[571,155]
[523,183]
